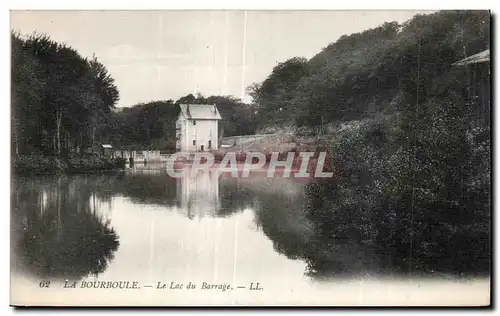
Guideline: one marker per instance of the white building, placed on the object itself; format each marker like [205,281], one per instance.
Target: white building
[197,128]
[198,193]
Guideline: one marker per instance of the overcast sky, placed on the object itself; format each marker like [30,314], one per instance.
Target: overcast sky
[161,55]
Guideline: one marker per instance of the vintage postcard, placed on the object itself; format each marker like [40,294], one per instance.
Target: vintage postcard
[250,158]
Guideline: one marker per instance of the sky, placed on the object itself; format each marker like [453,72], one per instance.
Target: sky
[161,55]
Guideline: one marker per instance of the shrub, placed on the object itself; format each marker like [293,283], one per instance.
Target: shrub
[419,198]
[91,163]
[38,164]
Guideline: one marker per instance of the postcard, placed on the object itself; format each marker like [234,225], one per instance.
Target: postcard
[250,158]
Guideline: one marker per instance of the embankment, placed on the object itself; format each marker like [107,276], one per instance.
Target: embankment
[43,164]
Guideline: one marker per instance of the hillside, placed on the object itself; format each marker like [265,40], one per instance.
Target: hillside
[380,70]
[412,144]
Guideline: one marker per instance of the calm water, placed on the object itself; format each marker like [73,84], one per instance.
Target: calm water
[145,227]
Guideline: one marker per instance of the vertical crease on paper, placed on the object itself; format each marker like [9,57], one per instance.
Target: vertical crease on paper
[235,253]
[243,57]
[151,248]
[224,75]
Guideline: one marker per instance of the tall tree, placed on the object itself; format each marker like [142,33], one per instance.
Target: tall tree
[60,99]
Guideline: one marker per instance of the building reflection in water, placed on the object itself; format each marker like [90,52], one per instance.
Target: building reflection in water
[198,192]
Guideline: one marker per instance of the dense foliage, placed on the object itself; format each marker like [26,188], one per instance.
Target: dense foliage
[381,70]
[426,206]
[144,126]
[37,164]
[60,100]
[415,184]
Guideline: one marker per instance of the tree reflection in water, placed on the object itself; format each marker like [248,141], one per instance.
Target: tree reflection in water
[153,187]
[312,223]
[59,232]
[351,237]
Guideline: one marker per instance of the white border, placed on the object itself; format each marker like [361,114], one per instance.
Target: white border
[180,5]
[253,5]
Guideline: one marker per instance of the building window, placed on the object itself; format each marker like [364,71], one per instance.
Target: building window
[209,144]
[194,142]
[194,122]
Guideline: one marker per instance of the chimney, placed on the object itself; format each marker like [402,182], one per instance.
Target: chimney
[215,109]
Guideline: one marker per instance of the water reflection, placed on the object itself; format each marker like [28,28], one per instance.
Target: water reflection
[59,229]
[63,226]
[434,242]
[198,193]
[286,216]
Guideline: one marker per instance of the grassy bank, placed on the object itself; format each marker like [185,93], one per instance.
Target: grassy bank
[40,164]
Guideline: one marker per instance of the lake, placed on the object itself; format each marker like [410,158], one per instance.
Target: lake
[142,237]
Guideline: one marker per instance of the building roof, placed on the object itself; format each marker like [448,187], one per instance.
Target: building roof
[481,57]
[200,111]
[106,146]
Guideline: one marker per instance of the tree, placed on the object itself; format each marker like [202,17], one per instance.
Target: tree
[60,99]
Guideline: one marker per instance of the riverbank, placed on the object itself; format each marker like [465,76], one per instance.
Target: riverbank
[41,164]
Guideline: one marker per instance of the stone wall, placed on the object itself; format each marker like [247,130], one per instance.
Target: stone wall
[239,140]
[264,143]
[141,155]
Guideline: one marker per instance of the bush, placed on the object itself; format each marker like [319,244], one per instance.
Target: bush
[93,163]
[38,164]
[420,199]
[120,162]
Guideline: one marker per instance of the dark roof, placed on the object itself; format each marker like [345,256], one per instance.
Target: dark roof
[200,111]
